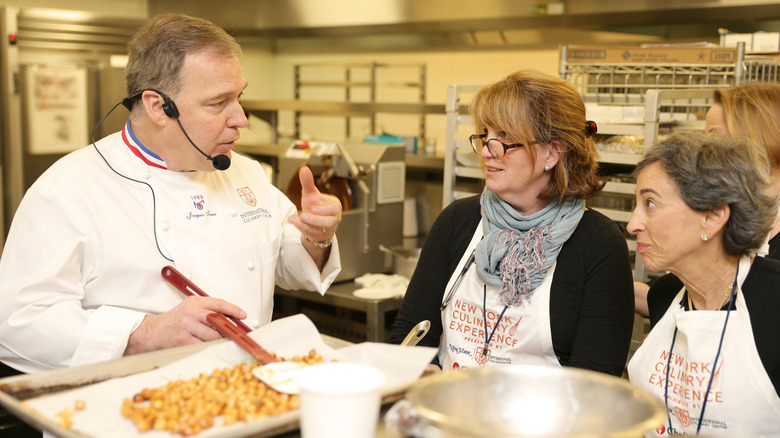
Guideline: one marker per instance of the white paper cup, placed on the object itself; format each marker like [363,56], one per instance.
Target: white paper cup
[340,399]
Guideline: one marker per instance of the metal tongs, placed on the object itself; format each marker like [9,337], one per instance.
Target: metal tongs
[228,326]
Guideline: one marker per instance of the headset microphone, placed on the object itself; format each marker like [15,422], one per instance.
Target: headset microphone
[220,162]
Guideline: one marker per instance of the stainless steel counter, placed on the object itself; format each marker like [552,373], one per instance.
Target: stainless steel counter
[340,295]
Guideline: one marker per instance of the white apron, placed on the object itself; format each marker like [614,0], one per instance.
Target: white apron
[742,400]
[521,336]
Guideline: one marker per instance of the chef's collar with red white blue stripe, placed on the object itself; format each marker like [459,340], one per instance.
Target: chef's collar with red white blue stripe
[140,151]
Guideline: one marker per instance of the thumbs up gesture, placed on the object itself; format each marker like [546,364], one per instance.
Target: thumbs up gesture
[320,213]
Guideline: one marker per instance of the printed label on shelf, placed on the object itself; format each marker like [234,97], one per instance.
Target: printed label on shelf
[650,55]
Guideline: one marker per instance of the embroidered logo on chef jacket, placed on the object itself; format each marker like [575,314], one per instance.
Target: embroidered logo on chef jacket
[247,196]
[249,199]
[199,202]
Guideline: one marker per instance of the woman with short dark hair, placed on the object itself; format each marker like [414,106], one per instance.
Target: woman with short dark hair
[702,212]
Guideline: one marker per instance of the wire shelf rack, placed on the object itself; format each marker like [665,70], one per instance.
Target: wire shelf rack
[623,75]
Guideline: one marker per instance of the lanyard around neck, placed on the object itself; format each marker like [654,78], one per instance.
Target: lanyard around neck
[455,285]
[451,293]
[714,364]
[484,317]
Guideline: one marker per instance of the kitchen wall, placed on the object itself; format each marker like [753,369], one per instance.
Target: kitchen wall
[270,72]
[442,69]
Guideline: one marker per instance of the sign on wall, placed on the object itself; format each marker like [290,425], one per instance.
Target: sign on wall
[56,109]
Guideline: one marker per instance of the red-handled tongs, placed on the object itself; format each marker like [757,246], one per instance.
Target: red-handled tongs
[228,326]
[231,331]
[276,373]
[187,287]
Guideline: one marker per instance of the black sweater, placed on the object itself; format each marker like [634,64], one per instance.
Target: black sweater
[591,297]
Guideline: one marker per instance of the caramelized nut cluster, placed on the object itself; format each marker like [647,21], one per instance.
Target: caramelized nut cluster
[188,407]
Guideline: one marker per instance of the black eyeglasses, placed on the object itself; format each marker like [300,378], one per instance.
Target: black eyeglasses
[478,142]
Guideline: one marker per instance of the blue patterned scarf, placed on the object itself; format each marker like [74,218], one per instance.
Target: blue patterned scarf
[517,251]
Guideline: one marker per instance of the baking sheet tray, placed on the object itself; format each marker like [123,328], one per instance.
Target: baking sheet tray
[36,398]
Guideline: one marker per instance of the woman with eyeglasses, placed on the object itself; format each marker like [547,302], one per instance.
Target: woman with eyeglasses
[525,273]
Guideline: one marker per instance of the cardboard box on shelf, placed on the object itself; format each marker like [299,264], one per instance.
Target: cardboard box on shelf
[757,42]
[766,42]
[732,39]
[650,55]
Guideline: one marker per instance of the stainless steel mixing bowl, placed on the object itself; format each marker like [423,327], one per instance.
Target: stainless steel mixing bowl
[534,401]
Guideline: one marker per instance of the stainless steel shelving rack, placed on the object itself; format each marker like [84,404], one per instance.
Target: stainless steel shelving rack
[620,75]
[457,149]
[355,76]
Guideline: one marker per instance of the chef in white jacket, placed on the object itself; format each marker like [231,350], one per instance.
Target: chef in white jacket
[80,274]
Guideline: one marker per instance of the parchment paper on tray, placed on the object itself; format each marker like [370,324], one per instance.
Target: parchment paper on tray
[287,337]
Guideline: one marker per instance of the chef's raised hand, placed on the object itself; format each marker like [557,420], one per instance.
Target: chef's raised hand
[319,218]
[183,325]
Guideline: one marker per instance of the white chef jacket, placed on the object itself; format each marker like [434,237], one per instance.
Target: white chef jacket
[81,267]
[522,335]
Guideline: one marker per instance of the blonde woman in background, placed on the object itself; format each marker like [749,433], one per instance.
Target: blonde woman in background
[753,111]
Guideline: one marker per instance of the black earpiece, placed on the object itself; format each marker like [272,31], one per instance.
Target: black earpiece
[169,106]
